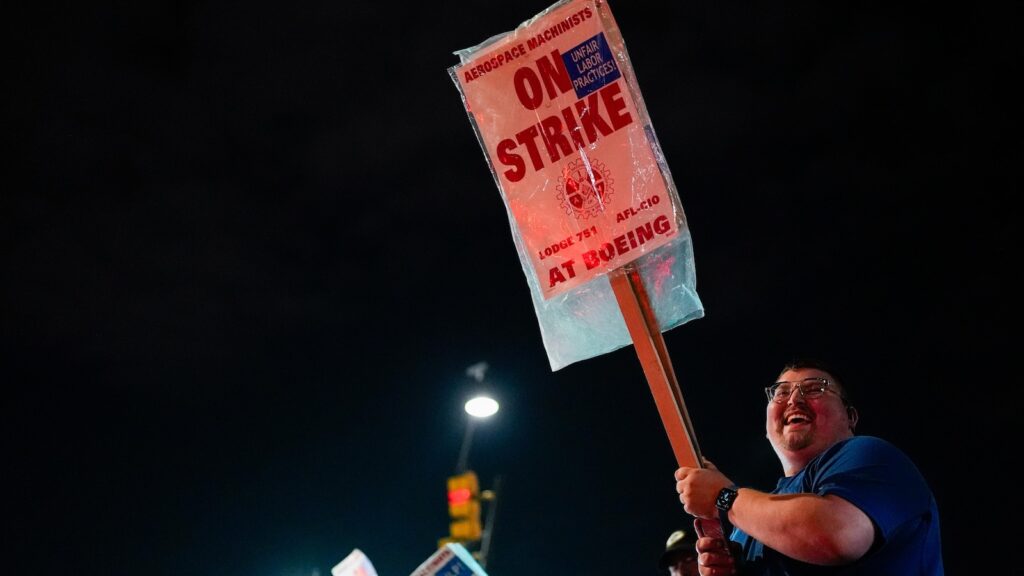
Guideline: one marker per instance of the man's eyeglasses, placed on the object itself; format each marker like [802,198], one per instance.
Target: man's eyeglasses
[809,388]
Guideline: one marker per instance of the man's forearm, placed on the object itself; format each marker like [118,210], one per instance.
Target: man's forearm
[823,530]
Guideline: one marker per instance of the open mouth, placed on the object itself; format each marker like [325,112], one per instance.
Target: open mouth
[796,419]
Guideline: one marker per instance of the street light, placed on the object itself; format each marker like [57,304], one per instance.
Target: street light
[478,407]
[482,406]
[465,526]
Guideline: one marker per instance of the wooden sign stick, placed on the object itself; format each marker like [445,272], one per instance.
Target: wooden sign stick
[650,348]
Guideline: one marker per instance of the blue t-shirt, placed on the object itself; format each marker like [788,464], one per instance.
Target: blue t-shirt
[880,479]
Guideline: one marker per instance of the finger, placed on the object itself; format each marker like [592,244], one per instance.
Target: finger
[717,571]
[708,544]
[720,559]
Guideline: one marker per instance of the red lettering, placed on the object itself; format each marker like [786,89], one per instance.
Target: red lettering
[528,88]
[554,74]
[615,105]
[528,138]
[553,137]
[561,139]
[573,129]
[555,277]
[515,161]
[662,225]
[568,266]
[644,233]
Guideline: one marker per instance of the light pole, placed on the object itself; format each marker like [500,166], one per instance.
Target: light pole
[478,408]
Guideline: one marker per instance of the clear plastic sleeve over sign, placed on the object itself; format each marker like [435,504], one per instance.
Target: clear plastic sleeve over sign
[557,110]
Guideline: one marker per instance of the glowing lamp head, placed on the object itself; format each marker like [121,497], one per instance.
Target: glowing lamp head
[481,407]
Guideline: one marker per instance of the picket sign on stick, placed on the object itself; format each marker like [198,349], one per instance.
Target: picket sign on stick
[595,216]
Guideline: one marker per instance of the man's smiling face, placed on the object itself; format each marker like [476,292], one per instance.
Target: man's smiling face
[800,428]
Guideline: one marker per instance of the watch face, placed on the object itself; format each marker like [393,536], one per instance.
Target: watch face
[725,498]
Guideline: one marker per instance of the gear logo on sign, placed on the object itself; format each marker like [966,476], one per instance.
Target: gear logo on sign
[585,188]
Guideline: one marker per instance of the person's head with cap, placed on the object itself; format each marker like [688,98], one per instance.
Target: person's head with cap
[680,555]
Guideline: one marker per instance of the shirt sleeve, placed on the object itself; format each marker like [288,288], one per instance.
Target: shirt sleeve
[878,478]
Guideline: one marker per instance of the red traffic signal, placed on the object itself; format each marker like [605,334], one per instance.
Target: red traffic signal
[464,507]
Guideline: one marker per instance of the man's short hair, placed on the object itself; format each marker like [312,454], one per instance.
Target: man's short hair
[816,364]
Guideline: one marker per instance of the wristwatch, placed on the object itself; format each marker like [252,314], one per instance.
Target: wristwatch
[726,496]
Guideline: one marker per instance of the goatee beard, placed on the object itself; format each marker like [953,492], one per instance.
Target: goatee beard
[797,441]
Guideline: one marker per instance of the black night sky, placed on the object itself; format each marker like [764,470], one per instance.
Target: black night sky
[250,249]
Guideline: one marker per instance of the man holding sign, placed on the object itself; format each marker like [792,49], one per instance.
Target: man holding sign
[852,505]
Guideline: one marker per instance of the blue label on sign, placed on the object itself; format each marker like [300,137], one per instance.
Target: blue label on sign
[451,560]
[591,66]
[455,567]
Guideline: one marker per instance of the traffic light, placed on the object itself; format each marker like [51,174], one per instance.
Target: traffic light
[464,507]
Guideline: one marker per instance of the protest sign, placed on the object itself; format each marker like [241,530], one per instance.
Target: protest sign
[355,564]
[565,138]
[594,213]
[559,115]
[450,560]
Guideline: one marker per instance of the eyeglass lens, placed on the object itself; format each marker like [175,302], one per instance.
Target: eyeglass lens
[809,388]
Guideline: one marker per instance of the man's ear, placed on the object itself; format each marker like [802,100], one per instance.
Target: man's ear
[854,416]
